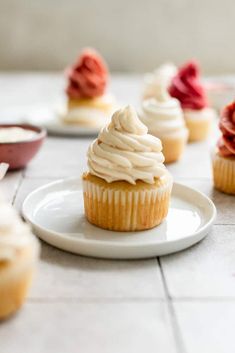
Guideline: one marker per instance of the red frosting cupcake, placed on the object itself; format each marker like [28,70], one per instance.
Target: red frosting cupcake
[224,157]
[226,143]
[187,87]
[87,102]
[88,77]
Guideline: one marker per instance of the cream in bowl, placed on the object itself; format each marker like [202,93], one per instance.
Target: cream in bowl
[16,134]
[19,143]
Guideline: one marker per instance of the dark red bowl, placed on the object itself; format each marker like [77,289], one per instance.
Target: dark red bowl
[18,154]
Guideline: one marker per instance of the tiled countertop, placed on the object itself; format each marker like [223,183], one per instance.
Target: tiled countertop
[182,303]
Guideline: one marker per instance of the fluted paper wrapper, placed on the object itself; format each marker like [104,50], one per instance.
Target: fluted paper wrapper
[199,129]
[224,173]
[126,209]
[15,279]
[173,147]
[13,293]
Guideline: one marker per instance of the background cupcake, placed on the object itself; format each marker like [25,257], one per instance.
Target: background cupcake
[88,103]
[223,157]
[164,118]
[127,187]
[158,79]
[18,254]
[19,251]
[188,89]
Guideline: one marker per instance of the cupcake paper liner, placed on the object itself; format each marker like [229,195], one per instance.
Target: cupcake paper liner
[199,129]
[125,210]
[13,293]
[224,173]
[173,148]
[15,278]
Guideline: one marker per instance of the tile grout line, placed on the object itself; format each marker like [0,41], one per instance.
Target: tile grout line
[40,177]
[180,348]
[204,300]
[145,300]
[224,224]
[108,300]
[17,188]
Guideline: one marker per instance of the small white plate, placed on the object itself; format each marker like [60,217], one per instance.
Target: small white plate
[56,214]
[55,127]
[45,116]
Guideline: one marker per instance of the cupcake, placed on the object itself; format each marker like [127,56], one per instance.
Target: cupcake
[88,104]
[19,251]
[223,158]
[164,118]
[188,89]
[127,187]
[160,78]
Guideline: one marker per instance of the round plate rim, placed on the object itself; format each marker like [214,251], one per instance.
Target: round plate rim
[106,243]
[54,128]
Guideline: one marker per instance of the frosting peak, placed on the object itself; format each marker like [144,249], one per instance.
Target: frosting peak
[226,143]
[162,95]
[187,87]
[125,151]
[127,120]
[88,77]
[158,81]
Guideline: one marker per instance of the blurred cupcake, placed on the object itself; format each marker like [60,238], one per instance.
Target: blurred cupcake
[188,89]
[19,251]
[127,187]
[160,78]
[164,119]
[223,158]
[88,104]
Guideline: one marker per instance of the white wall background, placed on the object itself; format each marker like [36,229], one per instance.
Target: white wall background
[133,35]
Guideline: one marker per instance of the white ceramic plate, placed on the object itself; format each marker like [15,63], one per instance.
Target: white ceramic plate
[55,127]
[44,116]
[56,214]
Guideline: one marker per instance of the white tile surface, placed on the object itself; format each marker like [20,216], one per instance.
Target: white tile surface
[207,326]
[89,327]
[9,185]
[60,157]
[64,275]
[194,163]
[206,270]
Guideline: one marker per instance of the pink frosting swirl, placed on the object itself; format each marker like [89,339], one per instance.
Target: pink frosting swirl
[88,77]
[187,88]
[226,143]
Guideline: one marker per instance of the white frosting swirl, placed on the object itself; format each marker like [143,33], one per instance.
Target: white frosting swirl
[125,151]
[159,79]
[163,116]
[14,234]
